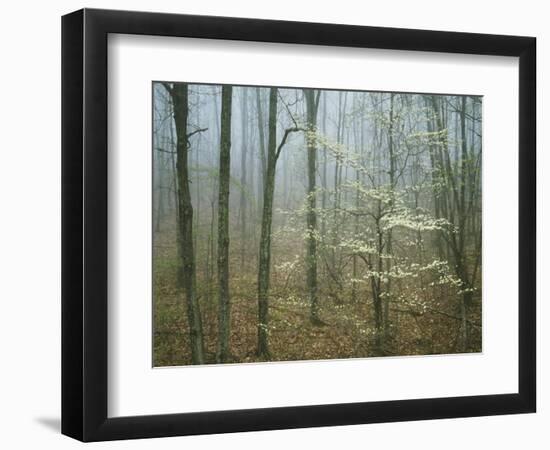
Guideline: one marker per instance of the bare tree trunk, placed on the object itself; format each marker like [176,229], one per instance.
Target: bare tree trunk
[455,210]
[254,213]
[197,183]
[174,177]
[179,93]
[244,143]
[213,202]
[335,270]
[324,172]
[466,295]
[265,236]
[223,227]
[159,185]
[361,140]
[211,249]
[261,138]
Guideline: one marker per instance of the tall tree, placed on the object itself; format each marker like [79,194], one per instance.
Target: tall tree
[312,103]
[389,237]
[456,205]
[179,93]
[333,268]
[324,172]
[264,267]
[244,143]
[223,227]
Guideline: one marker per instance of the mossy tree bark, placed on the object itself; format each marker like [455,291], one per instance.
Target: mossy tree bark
[187,272]
[265,234]
[223,227]
[273,153]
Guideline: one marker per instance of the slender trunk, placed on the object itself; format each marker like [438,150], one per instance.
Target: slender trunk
[160,196]
[214,189]
[244,143]
[265,236]
[466,295]
[312,102]
[389,239]
[454,209]
[435,180]
[185,224]
[261,137]
[377,293]
[174,175]
[223,227]
[211,250]
[253,212]
[361,140]
[334,233]
[197,184]
[324,172]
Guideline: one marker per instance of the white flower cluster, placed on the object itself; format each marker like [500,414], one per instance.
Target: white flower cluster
[416,221]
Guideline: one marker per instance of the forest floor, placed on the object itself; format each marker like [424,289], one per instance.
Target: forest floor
[347,333]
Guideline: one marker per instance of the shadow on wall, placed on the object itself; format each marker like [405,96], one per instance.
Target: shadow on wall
[52,423]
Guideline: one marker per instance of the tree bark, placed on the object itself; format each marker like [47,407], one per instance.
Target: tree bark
[466,295]
[223,227]
[455,209]
[265,236]
[312,102]
[273,153]
[389,237]
[244,143]
[261,138]
[179,94]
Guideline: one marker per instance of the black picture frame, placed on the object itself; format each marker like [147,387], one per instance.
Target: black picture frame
[84,224]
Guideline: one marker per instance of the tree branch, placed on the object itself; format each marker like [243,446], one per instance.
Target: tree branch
[188,136]
[287,109]
[283,141]
[199,130]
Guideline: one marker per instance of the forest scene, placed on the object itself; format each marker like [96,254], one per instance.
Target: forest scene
[309,224]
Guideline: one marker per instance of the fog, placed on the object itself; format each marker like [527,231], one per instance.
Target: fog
[383,254]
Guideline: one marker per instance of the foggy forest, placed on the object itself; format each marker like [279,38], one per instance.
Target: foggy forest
[306,224]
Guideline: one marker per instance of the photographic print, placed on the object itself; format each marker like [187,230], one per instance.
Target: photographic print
[294,224]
